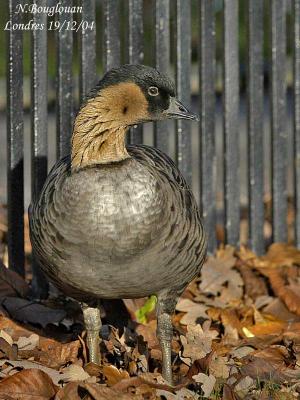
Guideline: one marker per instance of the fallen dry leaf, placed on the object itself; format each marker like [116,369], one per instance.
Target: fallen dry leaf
[26,364]
[244,385]
[267,328]
[262,301]
[68,392]
[286,292]
[153,380]
[55,354]
[218,271]
[219,367]
[278,309]
[228,393]
[4,335]
[48,352]
[149,333]
[229,318]
[266,370]
[275,353]
[74,372]
[7,350]
[240,352]
[11,283]
[99,392]
[27,385]
[207,381]
[255,285]
[282,254]
[230,295]
[28,343]
[113,375]
[292,332]
[13,329]
[249,332]
[193,311]
[93,369]
[181,394]
[197,342]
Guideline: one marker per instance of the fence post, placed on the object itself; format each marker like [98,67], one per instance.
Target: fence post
[207,120]
[231,110]
[64,95]
[183,76]
[255,125]
[39,125]
[296,8]
[162,60]
[88,75]
[135,51]
[15,144]
[111,34]
[278,121]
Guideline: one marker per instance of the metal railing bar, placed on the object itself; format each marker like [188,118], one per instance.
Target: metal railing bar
[207,120]
[255,125]
[88,75]
[39,105]
[112,57]
[39,126]
[162,60]
[64,83]
[135,51]
[183,73]
[278,121]
[15,144]
[231,137]
[296,9]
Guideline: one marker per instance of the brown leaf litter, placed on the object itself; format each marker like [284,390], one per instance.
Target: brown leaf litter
[236,336]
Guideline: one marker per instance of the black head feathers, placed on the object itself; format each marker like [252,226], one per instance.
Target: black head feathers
[156,88]
[142,75]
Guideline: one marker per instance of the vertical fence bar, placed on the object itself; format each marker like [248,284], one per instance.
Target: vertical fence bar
[162,58]
[111,34]
[64,82]
[136,51]
[88,76]
[296,8]
[39,124]
[207,120]
[15,156]
[255,125]
[231,138]
[278,121]
[183,74]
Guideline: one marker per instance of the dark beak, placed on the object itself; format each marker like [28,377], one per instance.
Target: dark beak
[177,110]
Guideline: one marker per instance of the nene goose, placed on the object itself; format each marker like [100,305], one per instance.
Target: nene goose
[115,221]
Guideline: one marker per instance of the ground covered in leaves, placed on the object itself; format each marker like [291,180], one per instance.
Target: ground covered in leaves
[236,336]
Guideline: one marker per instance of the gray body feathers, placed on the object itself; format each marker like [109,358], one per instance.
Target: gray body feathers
[122,230]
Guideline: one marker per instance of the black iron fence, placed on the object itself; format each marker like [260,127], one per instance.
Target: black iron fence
[165,41]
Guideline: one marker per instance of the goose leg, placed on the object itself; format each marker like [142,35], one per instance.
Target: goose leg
[92,322]
[165,309]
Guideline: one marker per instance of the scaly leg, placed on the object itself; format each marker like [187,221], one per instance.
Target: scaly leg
[92,322]
[165,309]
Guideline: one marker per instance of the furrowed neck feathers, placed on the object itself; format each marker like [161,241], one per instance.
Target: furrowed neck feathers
[101,125]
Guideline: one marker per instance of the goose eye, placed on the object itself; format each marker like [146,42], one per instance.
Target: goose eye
[153,91]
